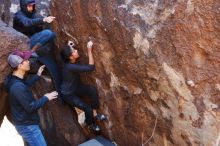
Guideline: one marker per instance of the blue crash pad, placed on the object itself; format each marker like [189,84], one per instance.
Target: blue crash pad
[98,141]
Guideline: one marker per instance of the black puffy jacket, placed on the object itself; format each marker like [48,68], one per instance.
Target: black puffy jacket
[26,22]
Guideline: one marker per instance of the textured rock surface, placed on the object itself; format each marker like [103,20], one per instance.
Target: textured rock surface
[153,59]
[58,121]
[5,11]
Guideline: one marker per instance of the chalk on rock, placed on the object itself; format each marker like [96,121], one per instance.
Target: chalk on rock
[71,44]
[190,83]
[89,44]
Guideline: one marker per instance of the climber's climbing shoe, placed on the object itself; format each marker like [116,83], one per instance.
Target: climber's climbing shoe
[100,117]
[94,127]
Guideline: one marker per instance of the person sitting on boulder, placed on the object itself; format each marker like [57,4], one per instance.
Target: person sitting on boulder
[73,89]
[29,23]
[24,107]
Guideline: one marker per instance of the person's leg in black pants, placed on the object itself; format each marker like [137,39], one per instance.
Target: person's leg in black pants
[91,92]
[75,101]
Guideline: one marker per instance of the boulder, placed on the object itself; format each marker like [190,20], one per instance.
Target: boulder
[157,66]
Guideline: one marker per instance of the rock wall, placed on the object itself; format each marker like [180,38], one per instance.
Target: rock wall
[157,66]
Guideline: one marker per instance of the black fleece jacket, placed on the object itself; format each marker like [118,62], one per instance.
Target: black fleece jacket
[22,102]
[71,77]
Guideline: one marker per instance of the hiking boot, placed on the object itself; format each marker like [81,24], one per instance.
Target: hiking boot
[94,127]
[100,117]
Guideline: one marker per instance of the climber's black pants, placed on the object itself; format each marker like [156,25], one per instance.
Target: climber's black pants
[75,100]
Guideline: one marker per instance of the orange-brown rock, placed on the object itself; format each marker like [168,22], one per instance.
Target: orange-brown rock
[153,59]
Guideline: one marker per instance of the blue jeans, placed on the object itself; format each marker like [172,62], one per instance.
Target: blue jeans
[42,38]
[31,134]
[53,70]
